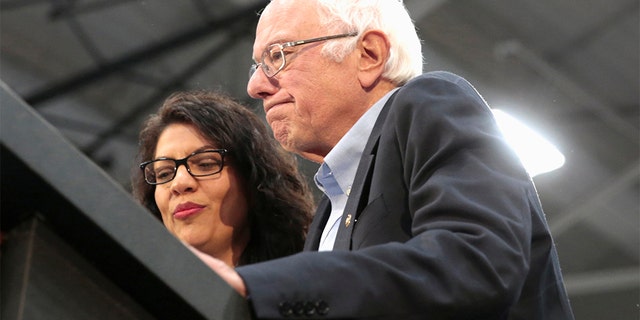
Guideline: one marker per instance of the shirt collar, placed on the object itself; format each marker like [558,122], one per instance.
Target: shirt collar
[341,163]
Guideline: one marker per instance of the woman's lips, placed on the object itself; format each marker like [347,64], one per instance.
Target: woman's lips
[187,209]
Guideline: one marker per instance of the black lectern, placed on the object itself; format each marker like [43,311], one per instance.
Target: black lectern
[75,245]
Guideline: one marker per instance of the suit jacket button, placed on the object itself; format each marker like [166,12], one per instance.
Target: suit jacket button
[322,307]
[309,308]
[285,309]
[298,308]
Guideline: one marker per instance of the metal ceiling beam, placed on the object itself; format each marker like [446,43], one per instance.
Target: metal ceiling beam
[66,9]
[581,96]
[245,16]
[419,9]
[602,281]
[19,4]
[596,30]
[594,200]
[234,35]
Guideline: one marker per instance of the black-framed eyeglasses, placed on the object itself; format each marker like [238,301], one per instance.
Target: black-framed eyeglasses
[198,164]
[273,57]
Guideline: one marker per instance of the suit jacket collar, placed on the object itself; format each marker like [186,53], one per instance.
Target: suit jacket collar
[317,225]
[358,196]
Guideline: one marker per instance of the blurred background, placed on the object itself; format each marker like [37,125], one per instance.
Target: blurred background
[95,69]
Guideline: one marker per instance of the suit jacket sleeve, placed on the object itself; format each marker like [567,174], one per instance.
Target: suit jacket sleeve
[447,231]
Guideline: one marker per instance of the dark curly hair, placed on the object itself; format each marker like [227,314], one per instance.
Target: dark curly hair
[280,203]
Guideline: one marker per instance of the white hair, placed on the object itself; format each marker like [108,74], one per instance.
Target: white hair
[390,17]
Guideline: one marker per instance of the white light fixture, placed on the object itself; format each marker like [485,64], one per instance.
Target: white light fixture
[536,153]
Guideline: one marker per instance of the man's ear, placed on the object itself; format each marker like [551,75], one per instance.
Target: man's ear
[374,53]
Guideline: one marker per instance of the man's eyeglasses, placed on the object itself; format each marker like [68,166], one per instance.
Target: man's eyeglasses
[273,58]
[198,164]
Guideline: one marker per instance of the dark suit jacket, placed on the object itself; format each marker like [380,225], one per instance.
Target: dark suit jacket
[442,223]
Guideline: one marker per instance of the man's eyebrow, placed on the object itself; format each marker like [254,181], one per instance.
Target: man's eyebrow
[280,40]
[277,41]
[272,42]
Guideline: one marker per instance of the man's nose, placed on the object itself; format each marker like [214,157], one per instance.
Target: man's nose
[260,86]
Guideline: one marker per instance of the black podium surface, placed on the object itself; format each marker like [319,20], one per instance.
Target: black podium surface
[75,245]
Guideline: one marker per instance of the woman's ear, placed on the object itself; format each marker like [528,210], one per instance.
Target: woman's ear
[374,53]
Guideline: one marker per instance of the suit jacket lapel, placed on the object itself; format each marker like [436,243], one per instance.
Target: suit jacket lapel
[357,200]
[358,197]
[317,225]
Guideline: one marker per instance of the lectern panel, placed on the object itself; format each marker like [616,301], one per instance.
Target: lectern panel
[44,177]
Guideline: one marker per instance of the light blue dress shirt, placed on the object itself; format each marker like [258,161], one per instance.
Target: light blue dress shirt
[336,174]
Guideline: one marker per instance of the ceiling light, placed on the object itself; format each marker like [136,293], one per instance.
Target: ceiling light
[536,153]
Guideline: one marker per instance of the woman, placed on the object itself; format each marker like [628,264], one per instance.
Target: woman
[219,182]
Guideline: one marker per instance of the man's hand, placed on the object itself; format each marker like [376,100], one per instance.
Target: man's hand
[227,273]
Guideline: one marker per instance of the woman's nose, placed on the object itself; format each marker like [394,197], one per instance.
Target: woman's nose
[183,181]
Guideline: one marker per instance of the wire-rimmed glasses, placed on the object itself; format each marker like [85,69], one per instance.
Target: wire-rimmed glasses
[273,58]
[198,164]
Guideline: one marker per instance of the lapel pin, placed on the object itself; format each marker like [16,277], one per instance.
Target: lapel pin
[347,221]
